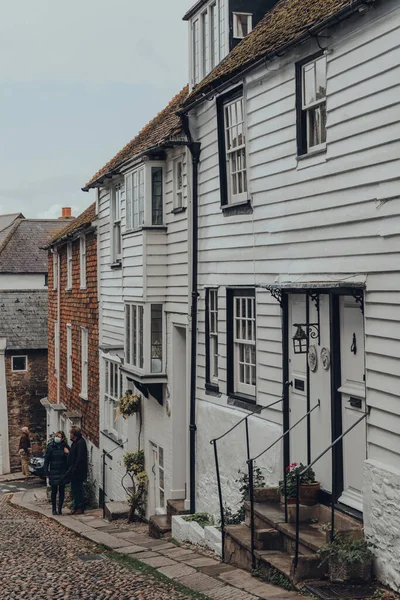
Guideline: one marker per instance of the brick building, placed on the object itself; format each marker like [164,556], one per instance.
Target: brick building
[73,395]
[23,329]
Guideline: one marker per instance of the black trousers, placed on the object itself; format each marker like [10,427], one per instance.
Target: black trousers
[78,493]
[61,494]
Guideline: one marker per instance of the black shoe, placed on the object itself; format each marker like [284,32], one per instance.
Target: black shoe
[60,511]
[54,511]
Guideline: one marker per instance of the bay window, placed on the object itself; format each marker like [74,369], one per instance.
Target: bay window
[144,337]
[145,196]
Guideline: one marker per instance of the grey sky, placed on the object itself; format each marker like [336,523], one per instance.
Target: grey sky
[78,79]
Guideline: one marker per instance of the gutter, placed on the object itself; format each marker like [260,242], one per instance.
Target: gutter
[310,33]
[194,148]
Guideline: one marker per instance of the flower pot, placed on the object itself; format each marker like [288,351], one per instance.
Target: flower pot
[289,500]
[342,572]
[309,493]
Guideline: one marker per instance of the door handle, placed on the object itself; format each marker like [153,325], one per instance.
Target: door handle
[288,383]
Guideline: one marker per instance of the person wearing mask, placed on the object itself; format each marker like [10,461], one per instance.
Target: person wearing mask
[77,469]
[55,467]
[25,450]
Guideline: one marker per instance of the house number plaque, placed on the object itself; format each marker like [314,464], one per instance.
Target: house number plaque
[312,358]
[325,358]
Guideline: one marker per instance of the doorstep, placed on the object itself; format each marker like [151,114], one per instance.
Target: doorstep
[200,573]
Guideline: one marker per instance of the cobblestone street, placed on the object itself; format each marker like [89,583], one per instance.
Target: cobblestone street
[40,560]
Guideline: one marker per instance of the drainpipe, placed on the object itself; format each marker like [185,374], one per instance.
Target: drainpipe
[59,321]
[194,148]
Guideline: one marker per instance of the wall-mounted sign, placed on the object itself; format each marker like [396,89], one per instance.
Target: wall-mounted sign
[325,358]
[312,358]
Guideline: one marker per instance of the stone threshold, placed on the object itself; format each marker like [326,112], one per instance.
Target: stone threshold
[200,573]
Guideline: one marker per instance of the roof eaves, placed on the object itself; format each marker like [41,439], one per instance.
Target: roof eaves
[231,77]
[14,227]
[192,11]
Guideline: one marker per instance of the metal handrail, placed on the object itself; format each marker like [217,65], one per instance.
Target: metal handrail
[213,442]
[250,463]
[298,475]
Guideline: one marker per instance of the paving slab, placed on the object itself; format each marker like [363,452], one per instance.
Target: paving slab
[113,528]
[176,571]
[238,578]
[229,593]
[99,524]
[159,561]
[165,546]
[216,570]
[200,582]
[132,550]
[202,561]
[146,554]
[106,539]
[178,553]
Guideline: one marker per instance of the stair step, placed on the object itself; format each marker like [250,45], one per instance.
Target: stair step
[159,526]
[281,561]
[176,507]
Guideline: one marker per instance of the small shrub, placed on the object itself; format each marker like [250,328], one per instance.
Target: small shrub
[235,518]
[203,519]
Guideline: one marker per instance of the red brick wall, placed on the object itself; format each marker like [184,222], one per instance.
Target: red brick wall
[25,389]
[78,308]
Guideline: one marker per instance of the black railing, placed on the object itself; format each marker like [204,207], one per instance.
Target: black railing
[250,463]
[298,475]
[214,443]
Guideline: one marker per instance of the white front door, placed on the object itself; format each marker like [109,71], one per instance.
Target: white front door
[353,400]
[157,490]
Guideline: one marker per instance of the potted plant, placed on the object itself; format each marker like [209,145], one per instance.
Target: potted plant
[309,488]
[129,404]
[348,559]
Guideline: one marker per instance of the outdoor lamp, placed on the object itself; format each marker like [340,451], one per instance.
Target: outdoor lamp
[299,340]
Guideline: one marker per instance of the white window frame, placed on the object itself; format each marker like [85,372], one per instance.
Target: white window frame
[236,33]
[84,362]
[212,317]
[82,261]
[235,152]
[25,356]
[178,190]
[69,355]
[56,348]
[210,26]
[69,266]
[137,341]
[159,475]
[55,269]
[116,238]
[139,196]
[112,375]
[244,347]
[310,108]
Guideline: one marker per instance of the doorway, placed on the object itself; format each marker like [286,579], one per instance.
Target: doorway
[327,372]
[179,398]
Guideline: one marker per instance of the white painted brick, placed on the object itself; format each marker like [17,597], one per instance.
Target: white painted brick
[179,529]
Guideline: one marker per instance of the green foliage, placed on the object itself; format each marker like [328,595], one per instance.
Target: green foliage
[291,479]
[235,518]
[134,464]
[274,577]
[203,519]
[347,550]
[129,404]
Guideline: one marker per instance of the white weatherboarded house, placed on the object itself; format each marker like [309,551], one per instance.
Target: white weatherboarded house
[143,290]
[299,256]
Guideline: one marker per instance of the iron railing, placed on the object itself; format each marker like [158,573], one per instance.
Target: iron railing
[250,463]
[213,442]
[312,463]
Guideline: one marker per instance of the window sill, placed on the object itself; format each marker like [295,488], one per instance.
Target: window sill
[145,228]
[83,287]
[178,210]
[242,401]
[69,387]
[116,265]
[212,387]
[314,157]
[113,438]
[143,377]
[82,397]
[240,208]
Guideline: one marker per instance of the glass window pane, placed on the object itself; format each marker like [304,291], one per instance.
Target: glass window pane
[161,458]
[156,195]
[128,334]
[156,338]
[320,67]
[106,377]
[309,84]
[141,352]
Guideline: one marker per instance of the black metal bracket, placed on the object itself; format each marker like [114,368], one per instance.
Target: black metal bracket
[276,293]
[359,297]
[314,297]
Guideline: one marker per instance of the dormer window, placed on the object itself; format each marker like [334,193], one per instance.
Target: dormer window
[144,196]
[242,25]
[208,39]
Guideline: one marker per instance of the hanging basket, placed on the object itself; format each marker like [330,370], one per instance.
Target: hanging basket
[129,404]
[343,572]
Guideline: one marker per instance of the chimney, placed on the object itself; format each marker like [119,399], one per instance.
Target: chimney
[66,212]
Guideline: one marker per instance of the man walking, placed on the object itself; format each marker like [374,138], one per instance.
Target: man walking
[25,450]
[77,469]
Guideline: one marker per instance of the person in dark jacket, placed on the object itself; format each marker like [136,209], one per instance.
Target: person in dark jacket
[77,469]
[55,467]
[24,450]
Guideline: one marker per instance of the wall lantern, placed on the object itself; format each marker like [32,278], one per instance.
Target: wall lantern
[299,340]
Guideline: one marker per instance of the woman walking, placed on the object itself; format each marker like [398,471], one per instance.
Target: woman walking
[55,467]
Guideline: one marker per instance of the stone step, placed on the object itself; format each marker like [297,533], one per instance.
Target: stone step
[116,510]
[159,526]
[176,507]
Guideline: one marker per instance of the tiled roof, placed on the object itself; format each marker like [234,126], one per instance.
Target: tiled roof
[24,319]
[7,220]
[84,219]
[21,251]
[163,127]
[287,23]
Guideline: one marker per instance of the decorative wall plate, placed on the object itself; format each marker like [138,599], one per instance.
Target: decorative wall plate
[325,358]
[312,358]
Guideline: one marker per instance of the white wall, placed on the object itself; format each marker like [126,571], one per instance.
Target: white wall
[22,281]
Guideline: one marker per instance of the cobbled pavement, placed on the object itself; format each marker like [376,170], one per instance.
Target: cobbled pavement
[39,560]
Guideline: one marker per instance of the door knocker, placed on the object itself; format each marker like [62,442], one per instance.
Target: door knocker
[353,348]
